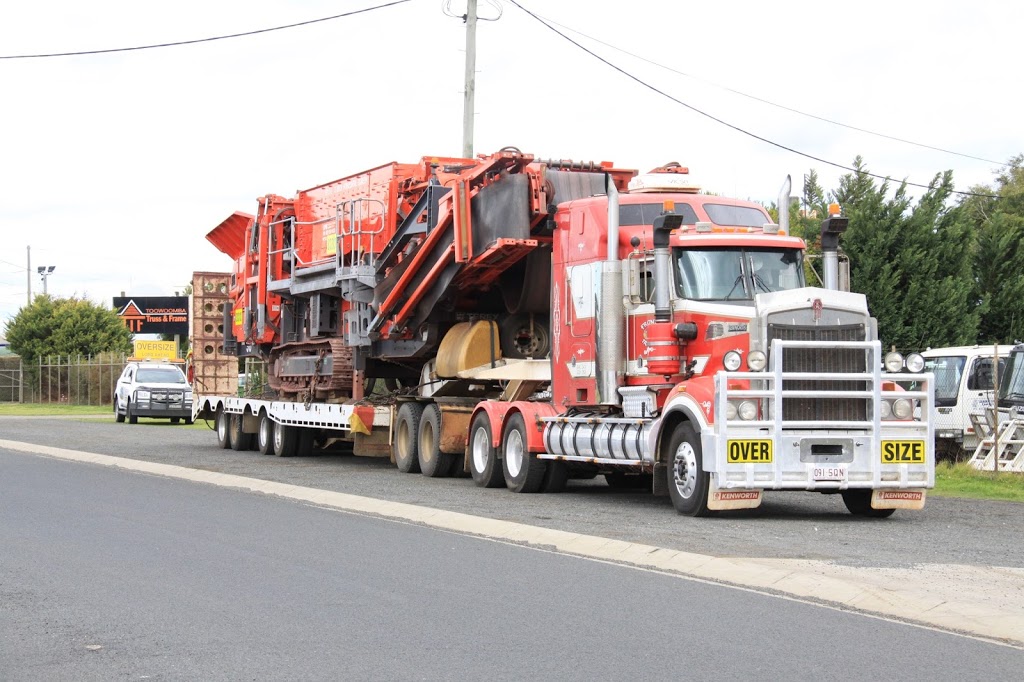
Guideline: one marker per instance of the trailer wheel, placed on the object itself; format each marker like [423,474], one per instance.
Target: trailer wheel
[524,473]
[285,440]
[484,465]
[240,440]
[433,462]
[407,428]
[265,436]
[688,483]
[132,418]
[304,443]
[858,502]
[223,439]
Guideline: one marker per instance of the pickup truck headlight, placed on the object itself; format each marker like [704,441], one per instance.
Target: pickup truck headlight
[141,395]
[188,396]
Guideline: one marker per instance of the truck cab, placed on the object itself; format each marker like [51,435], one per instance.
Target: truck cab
[964,377]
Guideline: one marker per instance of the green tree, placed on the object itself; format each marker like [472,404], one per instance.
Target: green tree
[66,326]
[998,221]
[909,260]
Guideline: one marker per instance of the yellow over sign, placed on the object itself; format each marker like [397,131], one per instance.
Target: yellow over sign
[155,350]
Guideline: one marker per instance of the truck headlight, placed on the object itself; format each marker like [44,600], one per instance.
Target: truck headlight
[893,362]
[732,361]
[915,363]
[730,410]
[902,408]
[756,360]
[747,410]
[188,396]
[141,395]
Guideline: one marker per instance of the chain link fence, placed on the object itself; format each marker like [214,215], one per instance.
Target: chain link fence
[66,379]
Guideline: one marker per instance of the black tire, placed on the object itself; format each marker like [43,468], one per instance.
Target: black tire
[623,481]
[240,440]
[175,420]
[265,435]
[118,417]
[223,429]
[132,418]
[688,483]
[858,502]
[188,420]
[433,462]
[524,473]
[286,440]
[556,476]
[407,428]
[304,446]
[484,465]
[522,338]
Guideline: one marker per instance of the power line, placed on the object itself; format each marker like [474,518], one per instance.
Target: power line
[769,102]
[203,40]
[730,125]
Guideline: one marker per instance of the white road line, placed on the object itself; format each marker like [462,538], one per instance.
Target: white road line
[984,602]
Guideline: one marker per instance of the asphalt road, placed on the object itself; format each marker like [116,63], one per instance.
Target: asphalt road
[787,526]
[108,574]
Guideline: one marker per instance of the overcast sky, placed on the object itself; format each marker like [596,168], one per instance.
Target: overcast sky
[113,167]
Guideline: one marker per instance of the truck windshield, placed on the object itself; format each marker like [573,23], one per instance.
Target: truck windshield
[736,274]
[948,371]
[1011,386]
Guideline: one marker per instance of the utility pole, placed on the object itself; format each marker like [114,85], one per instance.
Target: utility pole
[28,273]
[468,102]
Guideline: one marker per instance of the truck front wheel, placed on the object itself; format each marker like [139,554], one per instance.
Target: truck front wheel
[688,483]
[858,502]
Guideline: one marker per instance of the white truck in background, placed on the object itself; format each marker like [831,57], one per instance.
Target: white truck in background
[964,378]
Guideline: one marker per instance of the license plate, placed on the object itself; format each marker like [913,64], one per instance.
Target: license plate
[829,473]
[903,452]
[757,451]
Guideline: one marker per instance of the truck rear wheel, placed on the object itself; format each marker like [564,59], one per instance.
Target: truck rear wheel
[265,436]
[858,502]
[524,473]
[433,462]
[688,483]
[285,440]
[484,465]
[223,439]
[407,427]
[556,476]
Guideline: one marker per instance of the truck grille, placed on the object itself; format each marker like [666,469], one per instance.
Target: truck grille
[822,360]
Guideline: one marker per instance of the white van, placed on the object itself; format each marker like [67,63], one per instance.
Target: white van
[963,386]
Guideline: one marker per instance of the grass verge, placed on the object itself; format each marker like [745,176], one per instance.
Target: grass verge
[963,480]
[52,410]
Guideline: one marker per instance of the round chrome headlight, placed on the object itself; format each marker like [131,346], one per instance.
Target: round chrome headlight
[732,361]
[902,408]
[748,410]
[893,362]
[915,362]
[886,409]
[756,360]
[730,410]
